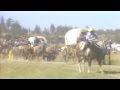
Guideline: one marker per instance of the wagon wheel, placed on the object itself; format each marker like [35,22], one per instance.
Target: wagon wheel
[68,55]
[65,55]
[70,59]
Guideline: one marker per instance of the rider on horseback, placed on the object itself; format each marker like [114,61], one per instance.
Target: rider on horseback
[92,37]
[36,41]
[82,36]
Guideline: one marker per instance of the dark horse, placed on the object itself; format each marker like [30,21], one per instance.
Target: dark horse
[107,50]
[91,52]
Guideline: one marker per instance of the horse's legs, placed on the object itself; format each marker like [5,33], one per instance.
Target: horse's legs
[89,65]
[32,57]
[43,57]
[79,65]
[104,60]
[109,57]
[84,59]
[38,57]
[100,66]
[66,57]
[83,69]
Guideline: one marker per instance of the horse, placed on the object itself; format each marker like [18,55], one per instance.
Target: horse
[90,52]
[107,50]
[39,50]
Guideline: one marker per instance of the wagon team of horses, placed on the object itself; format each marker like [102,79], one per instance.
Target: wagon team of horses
[28,51]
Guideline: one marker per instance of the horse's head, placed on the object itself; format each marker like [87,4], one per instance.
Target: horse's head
[83,45]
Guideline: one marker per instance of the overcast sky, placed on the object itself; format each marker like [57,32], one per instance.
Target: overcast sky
[95,19]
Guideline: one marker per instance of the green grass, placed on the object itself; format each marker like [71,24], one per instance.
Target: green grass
[53,70]
[57,70]
[115,59]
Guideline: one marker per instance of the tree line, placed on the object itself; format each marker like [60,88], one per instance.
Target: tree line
[12,29]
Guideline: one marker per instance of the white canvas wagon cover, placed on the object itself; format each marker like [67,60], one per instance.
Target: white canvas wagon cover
[72,35]
[31,39]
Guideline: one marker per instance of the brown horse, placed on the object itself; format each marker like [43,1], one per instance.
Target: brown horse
[39,50]
[51,53]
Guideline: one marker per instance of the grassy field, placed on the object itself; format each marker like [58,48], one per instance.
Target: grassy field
[56,70]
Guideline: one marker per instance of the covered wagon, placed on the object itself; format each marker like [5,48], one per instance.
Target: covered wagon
[32,39]
[71,38]
[72,35]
